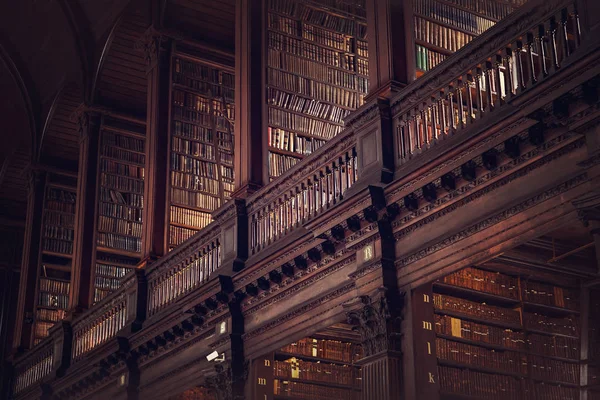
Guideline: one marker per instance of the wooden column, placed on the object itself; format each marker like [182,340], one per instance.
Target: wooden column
[157,49]
[84,244]
[30,261]
[250,149]
[391,46]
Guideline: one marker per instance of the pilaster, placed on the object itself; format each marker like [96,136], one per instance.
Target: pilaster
[30,260]
[84,244]
[157,50]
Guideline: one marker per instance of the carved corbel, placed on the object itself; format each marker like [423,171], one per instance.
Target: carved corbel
[151,44]
[225,384]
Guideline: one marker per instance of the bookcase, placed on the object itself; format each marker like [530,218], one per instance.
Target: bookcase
[442,27]
[120,204]
[58,228]
[316,74]
[201,145]
[501,335]
[312,368]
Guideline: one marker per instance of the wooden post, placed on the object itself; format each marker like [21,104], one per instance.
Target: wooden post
[84,245]
[157,49]
[391,46]
[30,262]
[250,149]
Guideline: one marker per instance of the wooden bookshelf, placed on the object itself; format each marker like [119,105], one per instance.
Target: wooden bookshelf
[201,144]
[442,27]
[108,273]
[503,335]
[316,74]
[317,369]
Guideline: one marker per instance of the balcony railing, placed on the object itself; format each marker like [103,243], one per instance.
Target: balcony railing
[102,322]
[184,269]
[487,76]
[35,367]
[477,91]
[318,185]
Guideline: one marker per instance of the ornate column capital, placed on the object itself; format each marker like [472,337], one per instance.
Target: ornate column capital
[378,323]
[224,381]
[151,43]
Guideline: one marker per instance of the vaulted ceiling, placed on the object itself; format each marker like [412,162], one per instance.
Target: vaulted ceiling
[58,54]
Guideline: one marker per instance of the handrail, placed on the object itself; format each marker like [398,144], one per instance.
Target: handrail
[101,322]
[34,367]
[485,75]
[184,269]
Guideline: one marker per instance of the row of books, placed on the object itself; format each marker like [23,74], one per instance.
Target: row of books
[563,326]
[226,173]
[225,140]
[301,124]
[54,286]
[187,164]
[104,283]
[291,141]
[453,16]
[203,72]
[120,211]
[228,189]
[123,141]
[58,232]
[58,246]
[195,199]
[117,168]
[328,38]
[100,294]
[60,196]
[550,295]
[225,158]
[314,70]
[122,183]
[192,116]
[472,331]
[111,271]
[479,310]
[318,90]
[132,244]
[427,59]
[116,197]
[550,392]
[553,346]
[49,315]
[46,299]
[59,218]
[313,52]
[548,369]
[279,163]
[494,9]
[347,26]
[440,36]
[123,155]
[308,391]
[206,88]
[306,106]
[185,103]
[485,281]
[178,235]
[191,131]
[59,206]
[196,149]
[314,371]
[324,348]
[189,217]
[472,383]
[194,182]
[191,101]
[463,353]
[120,226]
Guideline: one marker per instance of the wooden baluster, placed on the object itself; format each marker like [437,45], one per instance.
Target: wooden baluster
[469,97]
[533,73]
[541,40]
[565,32]
[444,124]
[554,44]
[521,76]
[401,137]
[451,111]
[354,165]
[460,103]
[576,26]
[480,109]
[490,84]
[500,80]
[511,81]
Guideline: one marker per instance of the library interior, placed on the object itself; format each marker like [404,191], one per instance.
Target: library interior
[300,199]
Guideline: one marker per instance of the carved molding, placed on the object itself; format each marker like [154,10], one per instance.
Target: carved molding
[151,44]
[224,381]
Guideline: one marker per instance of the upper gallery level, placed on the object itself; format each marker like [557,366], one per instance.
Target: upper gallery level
[377,156]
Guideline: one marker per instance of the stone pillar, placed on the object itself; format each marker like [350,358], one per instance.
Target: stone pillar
[30,261]
[157,50]
[84,245]
[391,46]
[250,149]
